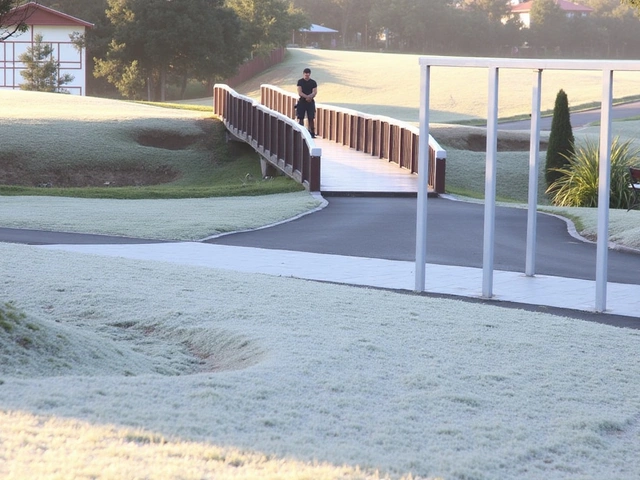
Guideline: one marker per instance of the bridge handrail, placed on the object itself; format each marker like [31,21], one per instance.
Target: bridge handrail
[377,135]
[278,139]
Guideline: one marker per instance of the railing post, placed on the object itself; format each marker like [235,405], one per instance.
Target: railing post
[440,175]
[415,147]
[314,174]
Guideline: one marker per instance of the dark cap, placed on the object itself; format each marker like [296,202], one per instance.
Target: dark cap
[306,70]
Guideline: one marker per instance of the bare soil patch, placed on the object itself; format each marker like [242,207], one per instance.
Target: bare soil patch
[14,172]
[166,140]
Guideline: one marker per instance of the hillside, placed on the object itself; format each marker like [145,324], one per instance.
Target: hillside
[388,84]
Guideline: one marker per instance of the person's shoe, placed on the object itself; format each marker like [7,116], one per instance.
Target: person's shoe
[313,135]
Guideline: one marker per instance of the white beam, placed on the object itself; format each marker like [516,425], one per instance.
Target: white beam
[490,184]
[534,160]
[423,180]
[604,183]
[493,64]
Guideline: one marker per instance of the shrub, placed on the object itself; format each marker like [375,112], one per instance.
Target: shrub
[561,139]
[578,182]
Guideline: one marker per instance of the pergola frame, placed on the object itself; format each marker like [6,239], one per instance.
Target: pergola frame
[493,66]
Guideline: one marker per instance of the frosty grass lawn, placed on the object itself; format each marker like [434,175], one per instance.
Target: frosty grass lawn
[141,369]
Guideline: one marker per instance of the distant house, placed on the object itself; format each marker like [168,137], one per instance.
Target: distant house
[523,10]
[316,36]
[55,28]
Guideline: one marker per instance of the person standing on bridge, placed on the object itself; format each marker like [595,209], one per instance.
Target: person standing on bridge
[307,90]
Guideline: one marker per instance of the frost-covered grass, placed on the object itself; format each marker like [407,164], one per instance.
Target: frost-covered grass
[174,219]
[146,369]
[624,227]
[122,149]
[46,129]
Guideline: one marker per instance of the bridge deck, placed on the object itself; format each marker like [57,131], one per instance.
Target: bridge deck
[345,170]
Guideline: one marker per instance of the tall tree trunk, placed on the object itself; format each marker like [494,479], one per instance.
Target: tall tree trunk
[183,86]
[163,84]
[345,22]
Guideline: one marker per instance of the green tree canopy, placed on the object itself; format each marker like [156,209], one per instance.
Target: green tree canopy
[548,24]
[153,39]
[13,22]
[350,17]
[267,24]
[495,10]
[634,3]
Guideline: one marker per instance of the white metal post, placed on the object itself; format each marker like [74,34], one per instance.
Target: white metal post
[490,185]
[423,180]
[534,160]
[604,184]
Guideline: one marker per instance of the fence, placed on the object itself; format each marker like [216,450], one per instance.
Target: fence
[255,66]
[279,140]
[379,136]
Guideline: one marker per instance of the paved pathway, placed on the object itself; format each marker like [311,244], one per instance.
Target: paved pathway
[578,119]
[541,290]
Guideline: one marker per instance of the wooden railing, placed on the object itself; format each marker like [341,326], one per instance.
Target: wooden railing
[383,137]
[278,139]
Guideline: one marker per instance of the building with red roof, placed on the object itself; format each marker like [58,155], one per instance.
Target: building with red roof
[56,29]
[523,10]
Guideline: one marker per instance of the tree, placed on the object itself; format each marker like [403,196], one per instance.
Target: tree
[561,141]
[96,39]
[634,3]
[495,10]
[267,24]
[12,19]
[547,24]
[156,39]
[415,25]
[41,70]
[349,17]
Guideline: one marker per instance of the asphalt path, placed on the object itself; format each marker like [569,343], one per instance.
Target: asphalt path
[578,119]
[385,227]
[43,237]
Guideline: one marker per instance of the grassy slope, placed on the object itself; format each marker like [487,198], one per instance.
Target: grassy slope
[72,133]
[388,84]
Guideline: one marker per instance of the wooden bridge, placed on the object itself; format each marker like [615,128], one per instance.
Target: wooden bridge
[353,153]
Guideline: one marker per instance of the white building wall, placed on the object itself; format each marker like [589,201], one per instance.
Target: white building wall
[70,59]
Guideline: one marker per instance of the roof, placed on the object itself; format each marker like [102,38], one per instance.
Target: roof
[565,6]
[318,29]
[35,14]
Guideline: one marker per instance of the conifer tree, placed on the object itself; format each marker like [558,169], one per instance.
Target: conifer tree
[41,70]
[561,141]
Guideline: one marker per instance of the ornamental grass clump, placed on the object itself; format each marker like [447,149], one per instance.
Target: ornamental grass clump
[577,185]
